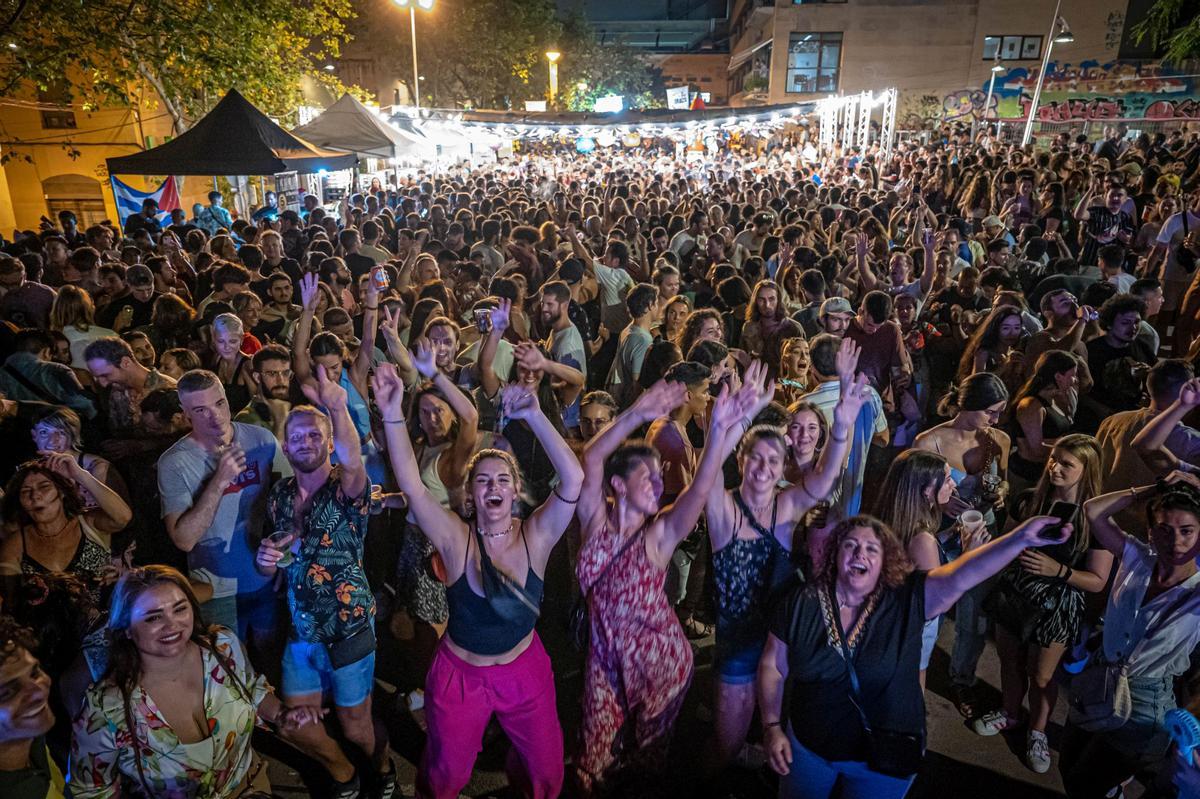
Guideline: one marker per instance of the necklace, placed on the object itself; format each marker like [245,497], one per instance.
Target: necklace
[841,603]
[499,534]
[55,534]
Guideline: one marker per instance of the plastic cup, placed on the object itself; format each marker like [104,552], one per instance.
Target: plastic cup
[970,519]
[276,540]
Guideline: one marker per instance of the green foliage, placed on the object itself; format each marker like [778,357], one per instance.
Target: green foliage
[188,51]
[1174,24]
[492,54]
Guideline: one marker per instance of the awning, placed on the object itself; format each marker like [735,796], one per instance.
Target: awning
[737,60]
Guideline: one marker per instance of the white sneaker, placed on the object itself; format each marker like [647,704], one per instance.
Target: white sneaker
[993,722]
[1037,752]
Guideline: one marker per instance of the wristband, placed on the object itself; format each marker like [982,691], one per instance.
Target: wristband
[769,724]
[394,421]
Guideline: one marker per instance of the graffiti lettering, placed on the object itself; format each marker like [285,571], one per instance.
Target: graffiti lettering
[1075,109]
[1112,30]
[1173,109]
[965,104]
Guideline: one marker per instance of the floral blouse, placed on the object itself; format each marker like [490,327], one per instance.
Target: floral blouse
[104,754]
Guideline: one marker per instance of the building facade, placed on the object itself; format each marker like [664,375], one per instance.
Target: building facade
[53,153]
[939,54]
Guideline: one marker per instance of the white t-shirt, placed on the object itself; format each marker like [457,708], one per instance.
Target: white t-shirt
[1170,235]
[1167,652]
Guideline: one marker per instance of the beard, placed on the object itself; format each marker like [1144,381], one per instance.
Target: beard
[278,393]
[307,464]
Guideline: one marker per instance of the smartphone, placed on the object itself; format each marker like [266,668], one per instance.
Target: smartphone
[483,320]
[1064,512]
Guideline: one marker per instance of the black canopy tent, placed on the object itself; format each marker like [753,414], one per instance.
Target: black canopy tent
[235,138]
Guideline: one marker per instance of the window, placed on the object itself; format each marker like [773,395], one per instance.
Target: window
[1012,48]
[58,118]
[813,60]
[812,2]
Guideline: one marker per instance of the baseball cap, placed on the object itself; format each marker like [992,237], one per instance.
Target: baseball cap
[1131,169]
[836,305]
[993,221]
[139,275]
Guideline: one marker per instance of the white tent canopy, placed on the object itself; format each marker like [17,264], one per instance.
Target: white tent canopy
[351,127]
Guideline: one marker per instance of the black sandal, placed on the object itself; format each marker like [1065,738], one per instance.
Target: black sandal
[964,699]
[695,629]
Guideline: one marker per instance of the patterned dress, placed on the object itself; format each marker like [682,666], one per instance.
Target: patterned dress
[104,752]
[639,663]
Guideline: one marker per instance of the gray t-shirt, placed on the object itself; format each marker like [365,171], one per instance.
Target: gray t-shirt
[627,365]
[566,347]
[224,555]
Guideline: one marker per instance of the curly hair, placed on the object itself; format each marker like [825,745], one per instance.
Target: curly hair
[896,565]
[14,513]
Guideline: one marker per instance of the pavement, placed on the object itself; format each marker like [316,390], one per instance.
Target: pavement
[959,762]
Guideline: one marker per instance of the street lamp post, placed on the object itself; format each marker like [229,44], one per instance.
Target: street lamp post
[1059,32]
[411,5]
[552,56]
[987,101]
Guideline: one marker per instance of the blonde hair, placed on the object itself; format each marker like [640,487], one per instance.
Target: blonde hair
[72,308]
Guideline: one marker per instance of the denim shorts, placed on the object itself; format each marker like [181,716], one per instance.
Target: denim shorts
[737,666]
[307,670]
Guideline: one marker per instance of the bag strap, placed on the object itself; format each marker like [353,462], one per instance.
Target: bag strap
[40,392]
[855,691]
[615,558]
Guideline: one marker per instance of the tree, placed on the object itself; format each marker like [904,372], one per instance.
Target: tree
[592,70]
[492,53]
[189,52]
[1175,25]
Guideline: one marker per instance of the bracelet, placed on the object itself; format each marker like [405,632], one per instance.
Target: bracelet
[371,307]
[768,724]
[394,421]
[561,498]
[837,440]
[1070,571]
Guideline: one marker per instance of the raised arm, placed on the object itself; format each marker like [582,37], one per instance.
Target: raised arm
[486,362]
[946,584]
[677,520]
[569,379]
[444,529]
[361,369]
[300,360]
[346,444]
[928,247]
[550,520]
[1100,511]
[656,401]
[815,486]
[113,513]
[1151,441]
[460,403]
[390,329]
[865,276]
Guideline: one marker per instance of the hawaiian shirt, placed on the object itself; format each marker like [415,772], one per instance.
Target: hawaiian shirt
[328,594]
[105,752]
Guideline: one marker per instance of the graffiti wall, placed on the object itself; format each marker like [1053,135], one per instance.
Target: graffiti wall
[1072,93]
[1088,91]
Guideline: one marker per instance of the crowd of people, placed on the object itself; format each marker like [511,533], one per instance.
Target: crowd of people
[783,408]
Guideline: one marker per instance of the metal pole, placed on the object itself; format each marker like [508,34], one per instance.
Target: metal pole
[1037,91]
[412,21]
[553,83]
[987,101]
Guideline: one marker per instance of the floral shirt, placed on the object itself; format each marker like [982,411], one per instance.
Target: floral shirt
[328,594]
[104,751]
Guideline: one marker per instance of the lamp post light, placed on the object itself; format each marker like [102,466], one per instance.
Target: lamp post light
[552,56]
[987,102]
[411,5]
[1061,34]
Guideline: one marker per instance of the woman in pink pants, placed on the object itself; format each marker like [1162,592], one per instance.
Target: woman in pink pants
[639,664]
[490,661]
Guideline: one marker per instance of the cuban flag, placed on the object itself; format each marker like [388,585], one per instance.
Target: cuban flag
[129,199]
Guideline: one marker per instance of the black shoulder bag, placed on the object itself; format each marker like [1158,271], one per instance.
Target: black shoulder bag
[896,754]
[578,629]
[1183,256]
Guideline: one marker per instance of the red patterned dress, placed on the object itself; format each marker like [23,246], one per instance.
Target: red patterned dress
[639,664]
